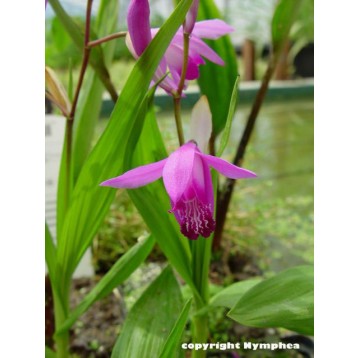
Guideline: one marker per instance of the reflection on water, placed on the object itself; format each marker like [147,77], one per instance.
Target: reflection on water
[271,217]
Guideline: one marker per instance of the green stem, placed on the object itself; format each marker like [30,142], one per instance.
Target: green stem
[200,330]
[178,122]
[185,64]
[61,312]
[178,92]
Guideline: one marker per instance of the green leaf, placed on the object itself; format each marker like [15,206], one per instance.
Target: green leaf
[285,14]
[49,353]
[50,253]
[175,335]
[88,108]
[90,202]
[226,134]
[230,295]
[285,300]
[216,82]
[151,319]
[118,273]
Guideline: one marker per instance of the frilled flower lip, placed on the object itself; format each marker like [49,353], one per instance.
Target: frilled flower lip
[187,180]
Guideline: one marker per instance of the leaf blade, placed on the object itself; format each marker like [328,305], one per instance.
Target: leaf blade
[118,273]
[230,116]
[141,333]
[285,300]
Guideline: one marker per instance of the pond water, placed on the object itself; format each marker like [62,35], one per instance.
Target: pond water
[271,217]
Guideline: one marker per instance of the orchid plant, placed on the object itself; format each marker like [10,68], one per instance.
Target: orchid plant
[183,205]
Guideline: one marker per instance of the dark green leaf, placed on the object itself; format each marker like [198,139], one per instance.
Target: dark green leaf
[216,82]
[230,295]
[171,344]
[88,109]
[151,319]
[50,252]
[118,273]
[90,202]
[285,13]
[285,300]
[226,134]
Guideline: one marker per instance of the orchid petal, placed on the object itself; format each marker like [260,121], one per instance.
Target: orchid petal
[191,17]
[204,50]
[137,177]
[202,181]
[177,171]
[227,169]
[130,46]
[201,123]
[211,29]
[139,25]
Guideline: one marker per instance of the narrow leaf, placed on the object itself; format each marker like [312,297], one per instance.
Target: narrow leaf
[226,134]
[88,108]
[151,319]
[90,202]
[285,14]
[175,335]
[285,300]
[118,273]
[230,295]
[50,252]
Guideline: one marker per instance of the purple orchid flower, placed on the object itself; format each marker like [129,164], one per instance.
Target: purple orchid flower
[140,34]
[187,180]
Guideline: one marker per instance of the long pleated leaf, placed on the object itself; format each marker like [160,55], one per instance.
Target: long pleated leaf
[229,296]
[151,319]
[216,82]
[285,300]
[88,108]
[118,273]
[90,202]
[170,348]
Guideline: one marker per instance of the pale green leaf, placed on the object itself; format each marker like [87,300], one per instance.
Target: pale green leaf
[230,116]
[151,319]
[285,300]
[172,342]
[118,273]
[90,202]
[229,296]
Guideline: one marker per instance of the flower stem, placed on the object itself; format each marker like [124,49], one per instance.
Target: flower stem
[61,312]
[178,122]
[107,38]
[200,331]
[186,38]
[178,93]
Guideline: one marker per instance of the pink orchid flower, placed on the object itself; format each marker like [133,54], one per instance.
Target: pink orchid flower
[140,35]
[187,180]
